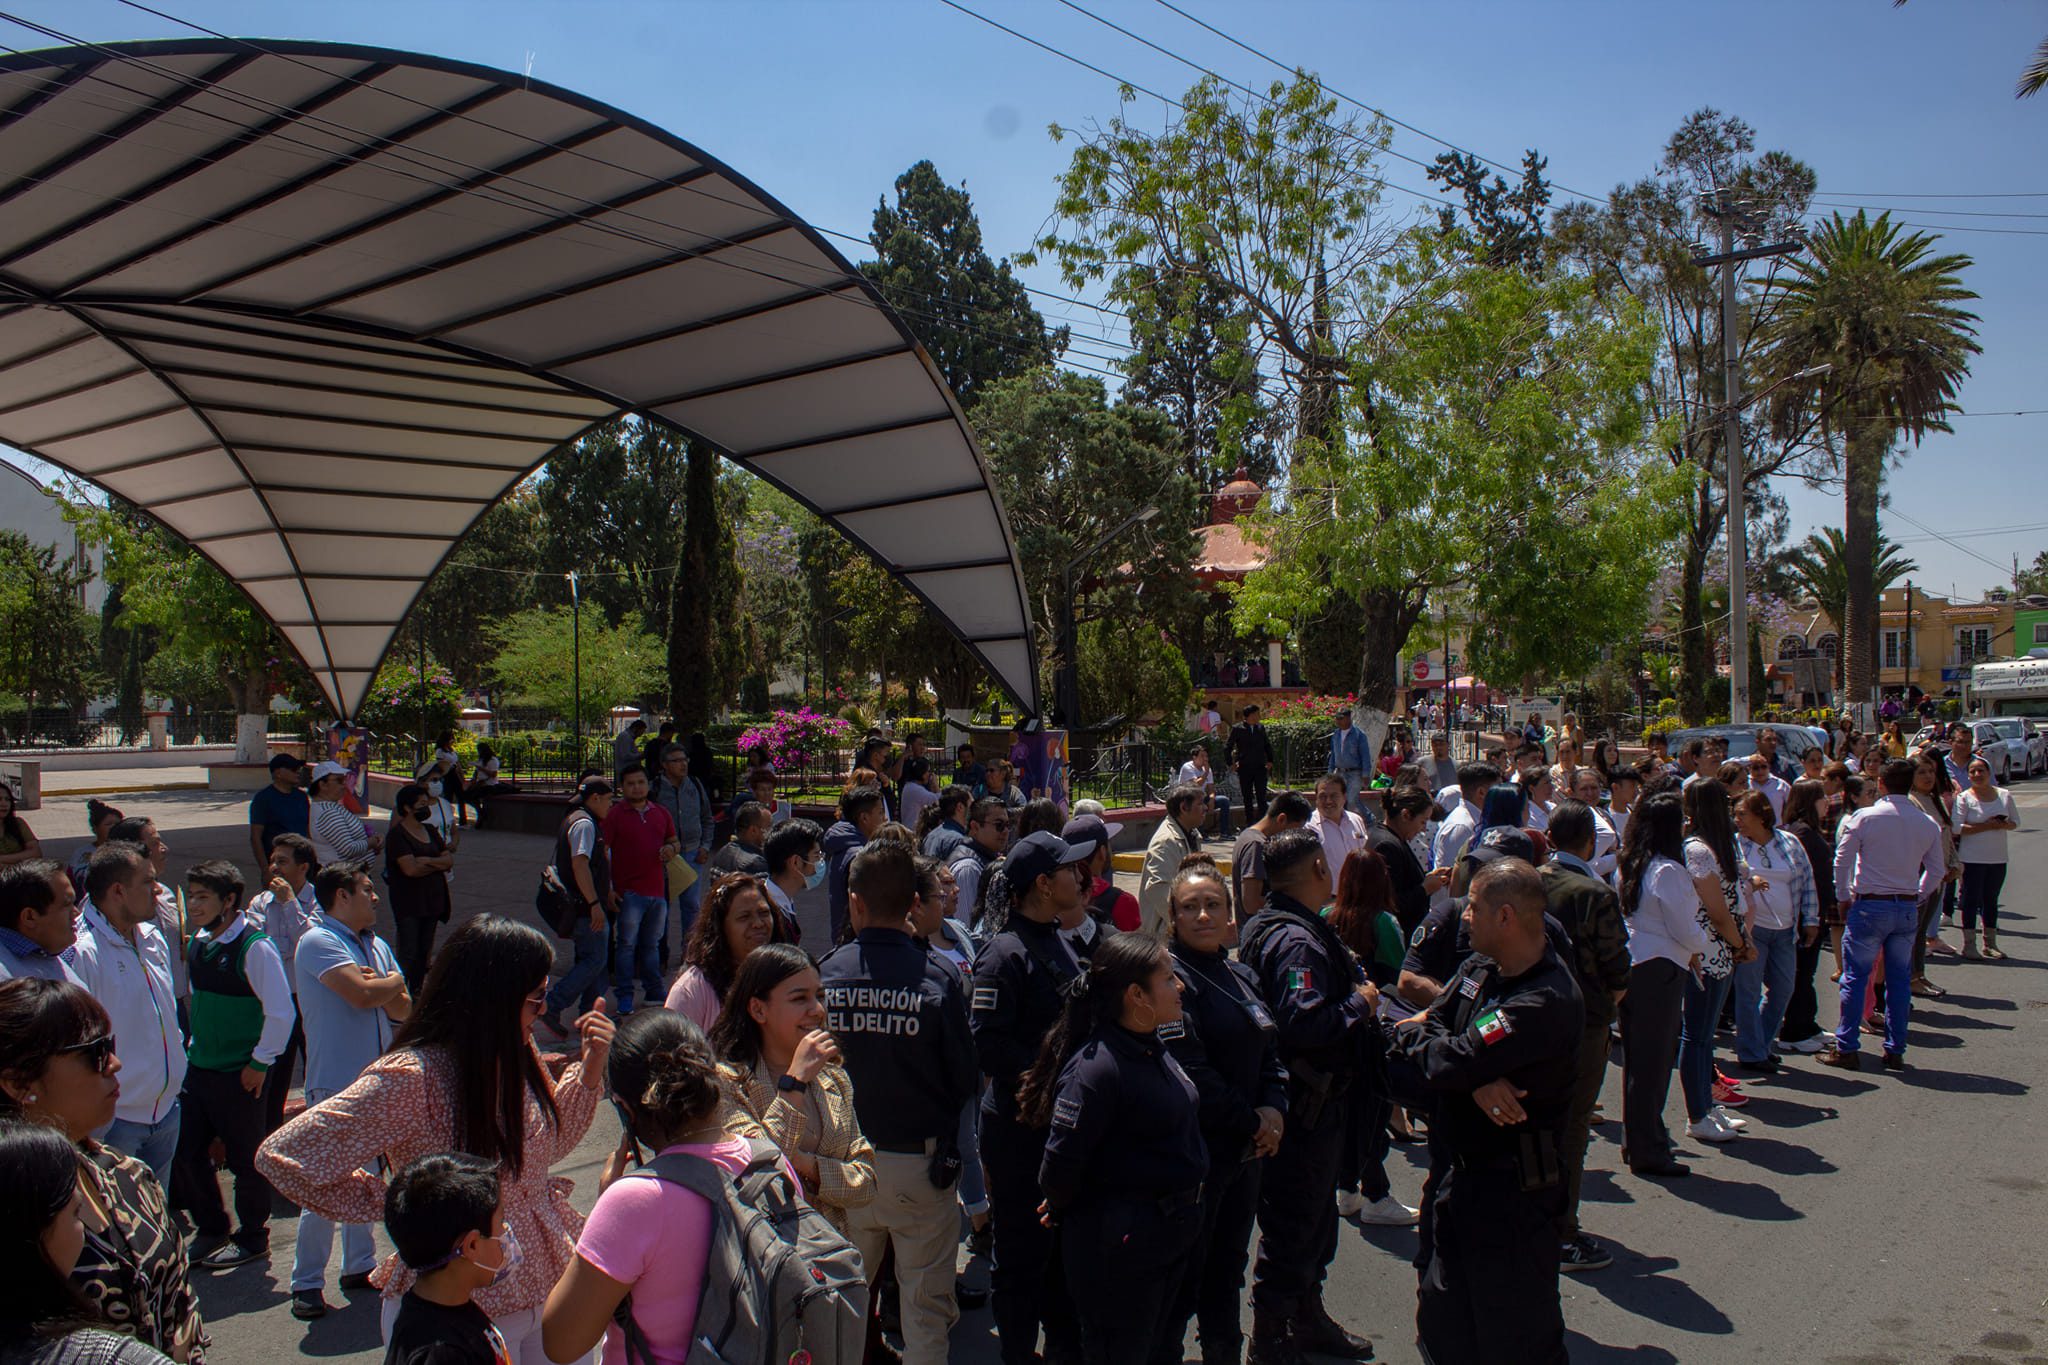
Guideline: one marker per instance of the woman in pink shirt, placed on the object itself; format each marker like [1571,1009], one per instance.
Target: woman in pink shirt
[462,1075]
[736,919]
[647,1237]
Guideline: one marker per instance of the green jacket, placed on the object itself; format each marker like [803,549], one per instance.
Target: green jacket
[1590,912]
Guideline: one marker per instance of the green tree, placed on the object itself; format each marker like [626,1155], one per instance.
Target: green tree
[2034,579]
[973,315]
[1506,219]
[48,653]
[611,506]
[494,572]
[1132,671]
[1191,362]
[537,662]
[204,623]
[707,645]
[1880,310]
[1638,247]
[1820,567]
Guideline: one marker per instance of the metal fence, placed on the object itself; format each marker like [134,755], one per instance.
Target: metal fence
[46,730]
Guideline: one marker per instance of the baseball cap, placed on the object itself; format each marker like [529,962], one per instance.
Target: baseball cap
[1090,806]
[1088,831]
[1038,855]
[1502,841]
[329,768]
[292,761]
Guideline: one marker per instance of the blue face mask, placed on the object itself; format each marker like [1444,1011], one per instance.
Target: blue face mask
[815,877]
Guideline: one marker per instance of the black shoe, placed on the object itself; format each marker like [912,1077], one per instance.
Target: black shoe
[354,1280]
[230,1254]
[1227,1353]
[1279,1350]
[968,1298]
[1583,1253]
[1768,1065]
[982,1240]
[307,1304]
[1319,1332]
[1666,1169]
[1894,1061]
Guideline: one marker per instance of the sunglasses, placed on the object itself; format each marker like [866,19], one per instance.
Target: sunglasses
[539,996]
[97,1053]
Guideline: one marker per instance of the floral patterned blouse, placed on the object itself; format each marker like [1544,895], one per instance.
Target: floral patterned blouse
[134,1270]
[403,1107]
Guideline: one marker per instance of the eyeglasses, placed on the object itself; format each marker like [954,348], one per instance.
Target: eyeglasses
[97,1053]
[539,996]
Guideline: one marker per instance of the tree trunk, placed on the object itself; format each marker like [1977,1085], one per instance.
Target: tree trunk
[1390,616]
[1695,645]
[251,695]
[689,636]
[1863,468]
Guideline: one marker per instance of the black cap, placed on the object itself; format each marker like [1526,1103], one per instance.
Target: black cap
[1041,854]
[1502,841]
[292,761]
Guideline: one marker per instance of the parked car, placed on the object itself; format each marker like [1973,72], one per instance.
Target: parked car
[1793,740]
[2004,749]
[2037,742]
[2015,742]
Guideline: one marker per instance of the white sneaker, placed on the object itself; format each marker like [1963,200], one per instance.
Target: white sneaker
[1388,1213]
[1350,1203]
[1807,1046]
[1728,1120]
[1710,1129]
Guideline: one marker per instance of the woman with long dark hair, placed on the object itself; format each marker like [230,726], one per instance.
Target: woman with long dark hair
[736,919]
[47,1321]
[1722,881]
[17,841]
[1665,941]
[1806,820]
[1934,794]
[58,1069]
[1125,1159]
[1363,916]
[1506,804]
[783,1070]
[1229,1047]
[462,1075]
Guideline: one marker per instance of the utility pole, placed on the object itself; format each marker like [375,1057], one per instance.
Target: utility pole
[576,665]
[1731,441]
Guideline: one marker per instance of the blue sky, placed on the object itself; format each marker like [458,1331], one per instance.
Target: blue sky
[824,102]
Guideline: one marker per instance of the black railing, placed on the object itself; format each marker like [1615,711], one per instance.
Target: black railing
[44,730]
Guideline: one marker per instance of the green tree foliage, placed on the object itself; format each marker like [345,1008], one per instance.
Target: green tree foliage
[1879,308]
[972,314]
[1507,220]
[1191,361]
[2034,579]
[707,645]
[1820,567]
[411,696]
[1639,248]
[48,654]
[537,663]
[494,572]
[611,506]
[1132,671]
[1505,447]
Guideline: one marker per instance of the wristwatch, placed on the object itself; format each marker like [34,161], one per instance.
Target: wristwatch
[792,1084]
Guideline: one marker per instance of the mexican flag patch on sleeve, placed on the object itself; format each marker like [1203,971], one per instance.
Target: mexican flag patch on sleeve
[1301,979]
[1493,1026]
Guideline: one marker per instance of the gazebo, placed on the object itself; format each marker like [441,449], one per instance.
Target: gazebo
[316,307]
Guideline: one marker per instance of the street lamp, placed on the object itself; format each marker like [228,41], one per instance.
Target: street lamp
[1067,680]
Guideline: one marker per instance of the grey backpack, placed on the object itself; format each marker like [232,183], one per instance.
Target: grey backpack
[782,1286]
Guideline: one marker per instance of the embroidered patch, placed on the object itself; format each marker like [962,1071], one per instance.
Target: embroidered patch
[1066,1113]
[1469,988]
[984,997]
[1169,1032]
[1301,979]
[1493,1027]
[1415,939]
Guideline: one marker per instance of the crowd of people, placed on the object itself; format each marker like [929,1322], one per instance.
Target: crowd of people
[1125,1102]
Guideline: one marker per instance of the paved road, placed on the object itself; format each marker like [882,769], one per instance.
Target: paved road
[1873,1219]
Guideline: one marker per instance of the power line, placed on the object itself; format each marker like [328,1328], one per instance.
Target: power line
[1923,208]
[1952,544]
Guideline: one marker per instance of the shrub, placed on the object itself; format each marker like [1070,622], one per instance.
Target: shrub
[796,740]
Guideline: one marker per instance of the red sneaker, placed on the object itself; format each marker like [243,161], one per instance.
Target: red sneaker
[1728,1095]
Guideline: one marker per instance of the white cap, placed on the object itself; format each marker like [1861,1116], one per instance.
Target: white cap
[327,769]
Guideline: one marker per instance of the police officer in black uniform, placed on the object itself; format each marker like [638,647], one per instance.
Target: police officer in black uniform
[1498,1052]
[899,1013]
[1124,1156]
[1442,942]
[1323,1008]
[1229,1047]
[1020,983]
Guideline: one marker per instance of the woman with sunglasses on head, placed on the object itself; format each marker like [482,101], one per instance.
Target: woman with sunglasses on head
[783,1069]
[736,919]
[462,1075]
[58,1069]
[416,863]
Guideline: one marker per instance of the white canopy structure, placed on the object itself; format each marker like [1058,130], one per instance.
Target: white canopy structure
[315,308]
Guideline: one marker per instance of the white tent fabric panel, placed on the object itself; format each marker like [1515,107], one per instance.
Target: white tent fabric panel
[317,307]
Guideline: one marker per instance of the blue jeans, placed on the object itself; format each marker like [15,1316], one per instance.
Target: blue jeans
[1886,927]
[152,1144]
[973,1184]
[580,985]
[316,1240]
[1696,1042]
[643,920]
[1763,988]
[686,907]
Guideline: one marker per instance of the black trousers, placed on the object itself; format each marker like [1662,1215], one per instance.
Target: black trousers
[1212,1287]
[415,949]
[1298,1210]
[1026,1287]
[1594,1047]
[216,1106]
[1488,1291]
[1362,1164]
[1252,784]
[1124,1260]
[1650,1016]
[1802,1014]
[278,1085]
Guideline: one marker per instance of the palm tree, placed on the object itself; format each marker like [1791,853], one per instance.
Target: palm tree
[1878,309]
[1820,568]
[2035,78]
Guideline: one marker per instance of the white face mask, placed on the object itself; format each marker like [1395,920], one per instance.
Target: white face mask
[433,789]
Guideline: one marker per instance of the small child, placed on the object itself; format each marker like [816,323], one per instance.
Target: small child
[444,1217]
